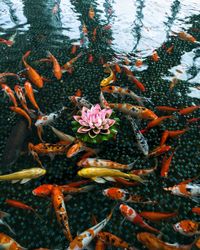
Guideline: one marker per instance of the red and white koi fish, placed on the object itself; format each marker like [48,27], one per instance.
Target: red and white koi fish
[7,243]
[155,57]
[8,91]
[124,91]
[187,227]
[78,147]
[21,96]
[130,214]
[10,41]
[135,111]
[102,163]
[81,241]
[186,189]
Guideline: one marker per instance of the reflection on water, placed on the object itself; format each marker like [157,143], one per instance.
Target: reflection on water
[122,31]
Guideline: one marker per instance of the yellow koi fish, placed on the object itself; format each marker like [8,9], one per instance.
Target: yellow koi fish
[108,80]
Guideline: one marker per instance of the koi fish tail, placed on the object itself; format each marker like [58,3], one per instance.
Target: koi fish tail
[132,164]
[148,227]
[40,132]
[195,199]
[6,225]
[136,178]
[86,188]
[36,214]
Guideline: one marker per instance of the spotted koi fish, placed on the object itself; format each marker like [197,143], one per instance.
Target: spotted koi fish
[6,242]
[80,102]
[187,227]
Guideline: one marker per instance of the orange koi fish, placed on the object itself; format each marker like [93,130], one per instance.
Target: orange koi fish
[32,73]
[21,96]
[30,94]
[117,68]
[159,150]
[22,113]
[157,216]
[78,147]
[196,119]
[90,58]
[126,182]
[135,111]
[144,172]
[84,29]
[186,37]
[166,164]
[171,134]
[102,163]
[56,66]
[124,91]
[138,63]
[152,242]
[170,49]
[130,214]
[157,122]
[74,49]
[8,91]
[6,242]
[196,210]
[91,13]
[173,83]
[167,108]
[186,189]
[188,110]
[155,56]
[123,195]
[67,67]
[187,227]
[100,245]
[112,240]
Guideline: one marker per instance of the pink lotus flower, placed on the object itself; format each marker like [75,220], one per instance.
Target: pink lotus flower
[94,121]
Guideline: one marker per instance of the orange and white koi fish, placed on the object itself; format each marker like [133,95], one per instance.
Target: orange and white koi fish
[81,241]
[157,216]
[21,96]
[152,242]
[22,113]
[30,94]
[130,214]
[7,42]
[108,80]
[67,67]
[91,13]
[84,29]
[102,163]
[103,101]
[186,189]
[188,110]
[44,120]
[187,227]
[8,91]
[135,111]
[167,108]
[3,222]
[80,102]
[112,240]
[78,147]
[7,243]
[138,63]
[166,164]
[196,210]
[125,91]
[155,57]
[186,37]
[159,150]
[123,195]
[32,73]
[144,172]
[171,134]
[56,66]
[141,140]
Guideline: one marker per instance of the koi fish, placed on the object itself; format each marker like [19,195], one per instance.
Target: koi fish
[102,163]
[22,113]
[135,111]
[196,210]
[187,227]
[30,94]
[84,29]
[7,42]
[171,134]
[56,66]
[108,80]
[100,245]
[130,214]
[166,164]
[44,120]
[188,110]
[62,136]
[67,67]
[123,195]
[159,150]
[138,63]
[141,141]
[78,147]
[144,172]
[3,222]
[126,182]
[167,108]
[80,102]
[185,189]
[74,49]
[186,37]
[21,96]
[131,77]
[7,243]
[154,243]
[101,174]
[170,49]
[83,240]
[196,119]
[24,175]
[157,216]
[103,101]
[91,13]
[8,91]
[173,83]
[90,58]
[112,240]
[155,56]
[157,122]
[32,73]
[124,91]
[2,75]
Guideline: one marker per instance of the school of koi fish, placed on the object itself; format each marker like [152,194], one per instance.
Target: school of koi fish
[124,185]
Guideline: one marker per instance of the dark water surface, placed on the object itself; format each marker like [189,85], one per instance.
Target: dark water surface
[137,29]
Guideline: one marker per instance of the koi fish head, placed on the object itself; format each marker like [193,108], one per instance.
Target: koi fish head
[127,211]
[186,227]
[115,193]
[148,114]
[43,190]
[108,89]
[82,163]
[75,149]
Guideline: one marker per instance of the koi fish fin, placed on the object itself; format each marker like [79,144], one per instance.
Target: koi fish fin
[6,225]
[24,181]
[87,188]
[130,166]
[14,181]
[98,180]
[67,198]
[195,199]
[52,156]
[108,178]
